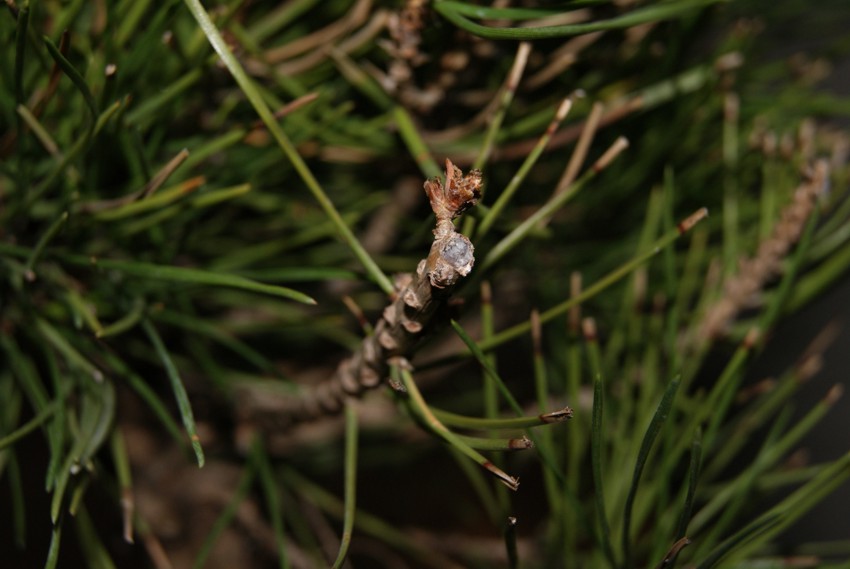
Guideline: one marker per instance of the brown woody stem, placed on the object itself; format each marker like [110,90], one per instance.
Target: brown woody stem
[406,320]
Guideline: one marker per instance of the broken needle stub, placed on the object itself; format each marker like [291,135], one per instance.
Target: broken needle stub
[451,255]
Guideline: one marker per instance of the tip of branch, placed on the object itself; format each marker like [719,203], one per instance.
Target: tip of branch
[619,145]
[834,394]
[563,109]
[688,223]
[522,443]
[507,480]
[558,416]
[536,332]
[588,329]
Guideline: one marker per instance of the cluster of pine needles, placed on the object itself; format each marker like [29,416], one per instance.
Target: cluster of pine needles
[224,342]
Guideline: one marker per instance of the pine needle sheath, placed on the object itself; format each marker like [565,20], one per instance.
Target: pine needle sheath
[418,299]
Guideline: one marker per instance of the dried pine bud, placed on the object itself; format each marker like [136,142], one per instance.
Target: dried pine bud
[459,194]
[451,255]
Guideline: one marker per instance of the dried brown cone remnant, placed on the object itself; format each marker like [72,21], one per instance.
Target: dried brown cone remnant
[407,318]
[740,290]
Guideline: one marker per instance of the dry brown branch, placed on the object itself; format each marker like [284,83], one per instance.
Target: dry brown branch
[404,322]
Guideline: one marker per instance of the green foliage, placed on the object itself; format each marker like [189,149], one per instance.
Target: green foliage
[191,195]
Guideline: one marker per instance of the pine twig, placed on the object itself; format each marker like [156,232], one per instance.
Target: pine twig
[417,300]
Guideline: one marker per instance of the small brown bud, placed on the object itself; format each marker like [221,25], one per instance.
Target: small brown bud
[459,194]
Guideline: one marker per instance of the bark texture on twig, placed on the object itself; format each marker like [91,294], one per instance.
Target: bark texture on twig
[404,321]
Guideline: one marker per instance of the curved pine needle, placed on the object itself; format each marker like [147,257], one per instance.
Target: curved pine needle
[417,403]
[453,11]
[597,440]
[75,77]
[754,529]
[350,483]
[506,13]
[596,465]
[177,387]
[693,476]
[72,356]
[371,525]
[655,425]
[156,201]
[190,276]
[464,422]
[18,506]
[141,387]
[479,354]
[94,552]
[97,417]
[126,322]
[30,425]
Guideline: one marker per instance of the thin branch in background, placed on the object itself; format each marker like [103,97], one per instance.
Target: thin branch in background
[148,189]
[562,59]
[754,273]
[670,556]
[643,99]
[591,124]
[287,109]
[355,17]
[350,44]
[355,309]
[504,101]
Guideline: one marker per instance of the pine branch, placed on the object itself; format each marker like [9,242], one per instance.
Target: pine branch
[405,320]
